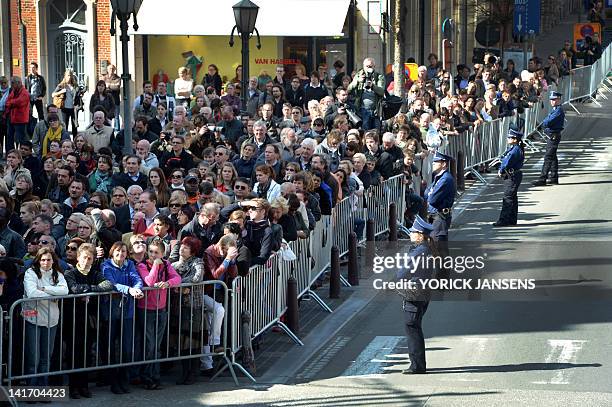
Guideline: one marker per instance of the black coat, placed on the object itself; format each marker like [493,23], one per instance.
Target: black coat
[390,162]
[296,98]
[207,236]
[123,222]
[123,180]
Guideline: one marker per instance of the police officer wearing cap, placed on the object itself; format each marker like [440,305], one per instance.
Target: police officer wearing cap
[415,300]
[552,127]
[440,197]
[510,170]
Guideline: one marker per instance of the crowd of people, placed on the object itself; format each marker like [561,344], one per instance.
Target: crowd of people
[209,189]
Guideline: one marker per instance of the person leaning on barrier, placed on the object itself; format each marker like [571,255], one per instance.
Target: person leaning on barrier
[414,300]
[259,237]
[152,309]
[510,170]
[188,303]
[42,280]
[118,315]
[552,126]
[219,264]
[440,197]
[78,314]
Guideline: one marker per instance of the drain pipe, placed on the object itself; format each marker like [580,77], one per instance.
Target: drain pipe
[24,43]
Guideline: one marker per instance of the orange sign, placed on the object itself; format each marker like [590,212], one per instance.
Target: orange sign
[411,70]
[583,30]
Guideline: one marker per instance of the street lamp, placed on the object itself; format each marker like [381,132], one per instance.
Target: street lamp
[123,9]
[245,14]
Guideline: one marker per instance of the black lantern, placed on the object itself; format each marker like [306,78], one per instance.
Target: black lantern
[245,13]
[126,7]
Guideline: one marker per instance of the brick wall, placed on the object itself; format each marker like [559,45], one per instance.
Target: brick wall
[103,17]
[28,15]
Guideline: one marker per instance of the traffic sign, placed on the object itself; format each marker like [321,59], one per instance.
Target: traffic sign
[526,17]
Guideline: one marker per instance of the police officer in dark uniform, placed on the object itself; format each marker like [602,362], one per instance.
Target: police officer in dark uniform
[416,300]
[440,197]
[552,127]
[510,170]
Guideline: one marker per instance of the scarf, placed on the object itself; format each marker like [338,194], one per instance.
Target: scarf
[82,270]
[50,137]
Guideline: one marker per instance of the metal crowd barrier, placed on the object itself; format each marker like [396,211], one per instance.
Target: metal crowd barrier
[92,322]
[485,143]
[263,292]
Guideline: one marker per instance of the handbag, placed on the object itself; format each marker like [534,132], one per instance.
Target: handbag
[59,100]
[286,253]
[391,104]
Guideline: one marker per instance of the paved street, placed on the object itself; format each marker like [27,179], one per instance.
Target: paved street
[479,352]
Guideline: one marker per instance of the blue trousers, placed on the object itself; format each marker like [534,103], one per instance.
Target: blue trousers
[38,350]
[413,319]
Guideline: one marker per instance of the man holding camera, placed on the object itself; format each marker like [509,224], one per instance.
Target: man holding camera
[340,107]
[368,89]
[232,127]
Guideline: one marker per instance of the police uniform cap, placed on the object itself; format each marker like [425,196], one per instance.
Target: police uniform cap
[555,95]
[515,134]
[441,157]
[420,226]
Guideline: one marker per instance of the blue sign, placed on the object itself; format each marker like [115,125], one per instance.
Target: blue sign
[526,17]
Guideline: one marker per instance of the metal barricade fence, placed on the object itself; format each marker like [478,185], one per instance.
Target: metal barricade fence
[343,223]
[80,333]
[580,83]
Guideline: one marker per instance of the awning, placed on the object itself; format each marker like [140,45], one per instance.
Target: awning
[278,18]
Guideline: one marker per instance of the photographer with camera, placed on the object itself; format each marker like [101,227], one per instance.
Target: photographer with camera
[230,127]
[368,89]
[341,106]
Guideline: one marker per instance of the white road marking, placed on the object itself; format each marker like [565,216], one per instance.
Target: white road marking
[373,359]
[562,351]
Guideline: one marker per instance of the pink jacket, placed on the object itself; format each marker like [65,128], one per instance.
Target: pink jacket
[151,274]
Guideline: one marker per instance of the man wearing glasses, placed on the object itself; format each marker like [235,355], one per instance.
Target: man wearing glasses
[294,93]
[178,157]
[205,226]
[242,190]
[72,225]
[47,241]
[126,213]
[279,79]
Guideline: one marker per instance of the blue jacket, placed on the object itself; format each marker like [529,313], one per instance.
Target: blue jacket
[441,193]
[122,278]
[417,270]
[554,122]
[512,159]
[244,168]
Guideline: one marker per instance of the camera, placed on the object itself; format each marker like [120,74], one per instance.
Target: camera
[214,128]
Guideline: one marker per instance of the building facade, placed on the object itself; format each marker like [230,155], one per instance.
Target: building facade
[61,34]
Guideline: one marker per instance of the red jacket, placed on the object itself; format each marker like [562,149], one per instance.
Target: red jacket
[18,106]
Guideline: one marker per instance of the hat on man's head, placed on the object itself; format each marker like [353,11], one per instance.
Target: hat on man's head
[441,157]
[305,120]
[515,134]
[555,95]
[191,178]
[420,226]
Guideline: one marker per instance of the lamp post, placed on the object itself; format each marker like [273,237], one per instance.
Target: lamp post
[245,14]
[123,9]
